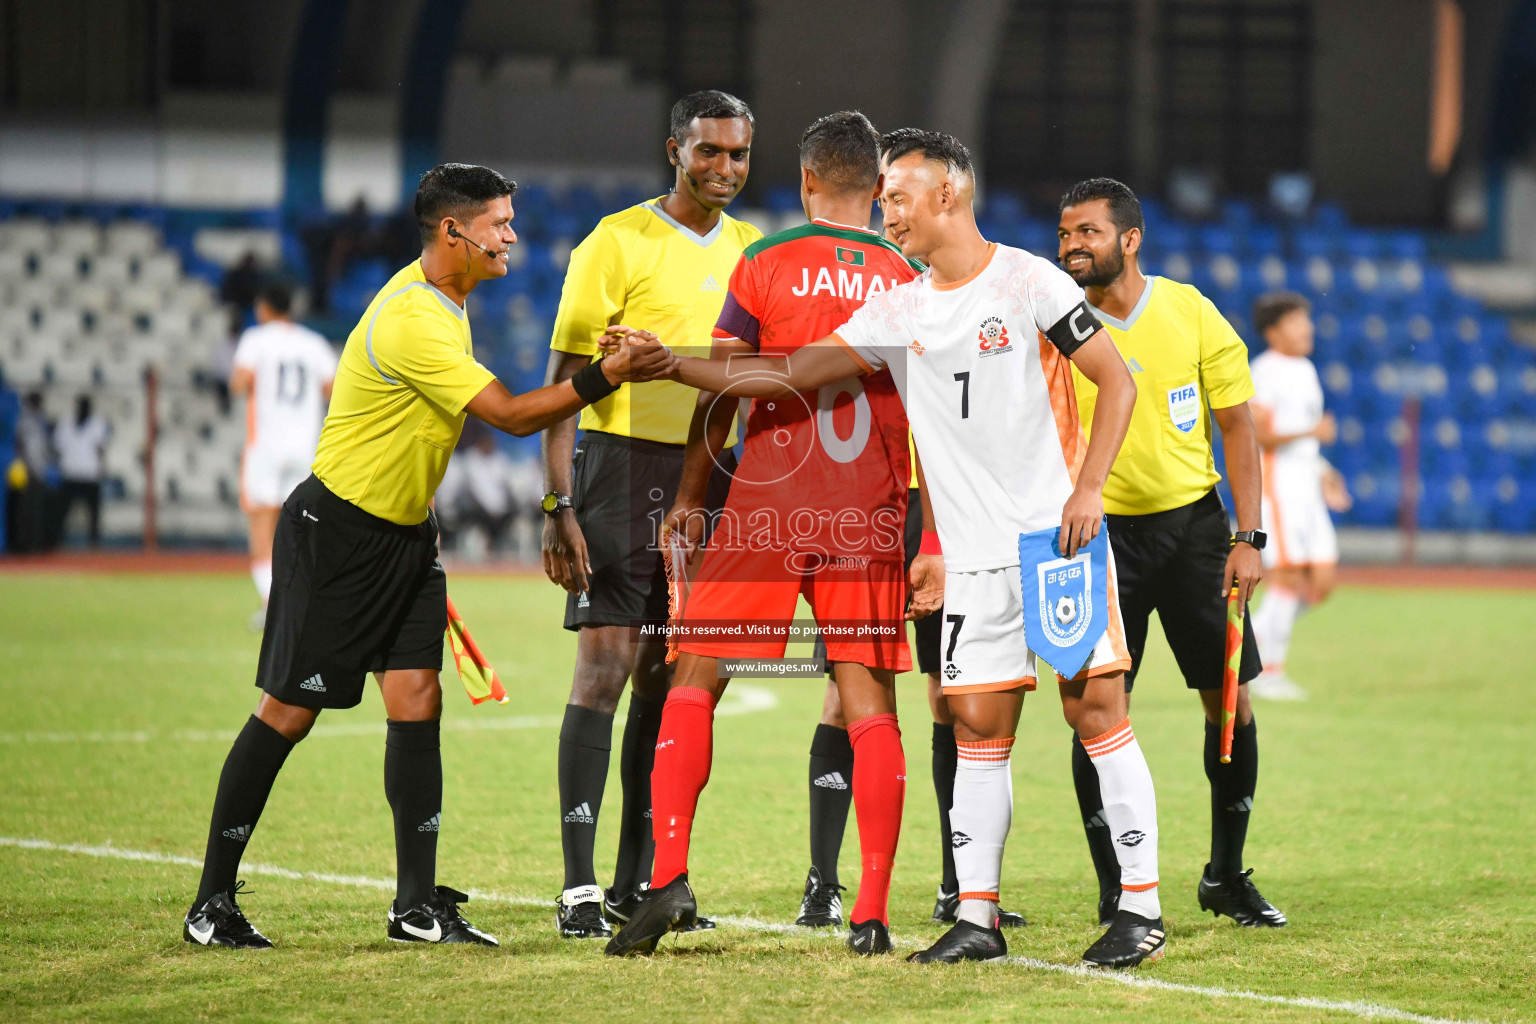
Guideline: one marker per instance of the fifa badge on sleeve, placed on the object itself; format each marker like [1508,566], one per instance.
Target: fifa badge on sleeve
[1066,604]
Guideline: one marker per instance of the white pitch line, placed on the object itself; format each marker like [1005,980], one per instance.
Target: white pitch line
[1367,1011]
[740,699]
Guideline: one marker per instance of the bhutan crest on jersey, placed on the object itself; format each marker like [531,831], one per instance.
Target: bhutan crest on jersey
[993,337]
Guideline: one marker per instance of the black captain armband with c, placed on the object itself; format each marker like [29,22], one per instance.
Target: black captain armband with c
[592,384]
[1069,333]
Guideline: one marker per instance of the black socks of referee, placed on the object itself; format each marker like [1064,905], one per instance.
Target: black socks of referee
[637,843]
[250,769]
[586,737]
[413,783]
[946,758]
[1232,787]
[1090,804]
[831,793]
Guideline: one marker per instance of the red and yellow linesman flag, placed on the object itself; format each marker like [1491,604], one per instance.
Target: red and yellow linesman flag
[477,675]
[1229,674]
[674,558]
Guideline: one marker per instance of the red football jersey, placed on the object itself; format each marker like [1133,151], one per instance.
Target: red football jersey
[827,470]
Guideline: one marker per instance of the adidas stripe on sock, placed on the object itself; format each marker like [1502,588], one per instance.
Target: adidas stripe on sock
[1130,808]
[831,773]
[979,821]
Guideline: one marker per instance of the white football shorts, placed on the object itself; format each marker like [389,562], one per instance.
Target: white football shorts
[983,643]
[267,477]
[1299,525]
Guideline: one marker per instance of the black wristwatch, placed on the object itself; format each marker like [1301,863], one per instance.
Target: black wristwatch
[1256,538]
[554,501]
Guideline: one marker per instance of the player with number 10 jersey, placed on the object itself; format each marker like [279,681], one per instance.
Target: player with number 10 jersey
[818,502]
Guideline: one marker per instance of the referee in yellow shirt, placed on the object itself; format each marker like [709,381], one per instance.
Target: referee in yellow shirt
[663,266]
[357,587]
[1173,552]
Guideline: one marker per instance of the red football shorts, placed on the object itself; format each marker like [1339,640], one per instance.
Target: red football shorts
[859,603]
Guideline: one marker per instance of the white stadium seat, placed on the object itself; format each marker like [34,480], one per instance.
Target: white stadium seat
[111,268]
[26,234]
[14,264]
[58,266]
[81,237]
[132,238]
[163,268]
[35,293]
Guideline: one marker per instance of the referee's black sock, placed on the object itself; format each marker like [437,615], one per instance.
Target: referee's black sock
[1090,803]
[637,845]
[250,769]
[1232,787]
[413,782]
[831,793]
[945,758]
[586,736]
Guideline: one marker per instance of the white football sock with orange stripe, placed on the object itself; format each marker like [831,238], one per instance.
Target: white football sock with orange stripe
[1130,808]
[1272,625]
[979,821]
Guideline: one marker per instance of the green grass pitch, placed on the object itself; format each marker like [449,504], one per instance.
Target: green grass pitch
[1394,824]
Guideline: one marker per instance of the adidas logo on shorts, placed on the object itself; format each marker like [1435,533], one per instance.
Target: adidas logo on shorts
[239,832]
[314,683]
[581,813]
[430,825]
[832,780]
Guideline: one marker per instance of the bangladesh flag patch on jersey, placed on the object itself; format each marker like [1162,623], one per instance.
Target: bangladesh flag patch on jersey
[852,257]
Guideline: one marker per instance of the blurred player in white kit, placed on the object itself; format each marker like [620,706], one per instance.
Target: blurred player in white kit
[1300,487]
[285,371]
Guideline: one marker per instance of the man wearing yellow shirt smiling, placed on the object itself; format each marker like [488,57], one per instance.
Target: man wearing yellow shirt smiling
[1173,552]
[664,265]
[357,587]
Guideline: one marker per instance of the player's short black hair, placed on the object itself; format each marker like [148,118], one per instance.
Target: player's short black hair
[1124,207]
[890,139]
[940,146]
[277,294]
[844,151]
[706,103]
[1271,307]
[459,191]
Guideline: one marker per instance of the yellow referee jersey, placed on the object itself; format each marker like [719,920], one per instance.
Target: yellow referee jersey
[397,406]
[1186,360]
[641,268]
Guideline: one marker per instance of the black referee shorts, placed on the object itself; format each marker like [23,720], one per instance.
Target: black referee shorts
[351,594]
[1172,563]
[929,629]
[623,488]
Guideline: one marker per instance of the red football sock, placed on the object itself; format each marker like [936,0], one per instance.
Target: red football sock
[879,788]
[684,751]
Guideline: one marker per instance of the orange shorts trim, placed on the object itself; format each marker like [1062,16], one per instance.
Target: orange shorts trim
[1108,668]
[1138,888]
[990,897]
[1023,682]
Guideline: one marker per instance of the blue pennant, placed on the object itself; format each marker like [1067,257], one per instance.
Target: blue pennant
[1066,605]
